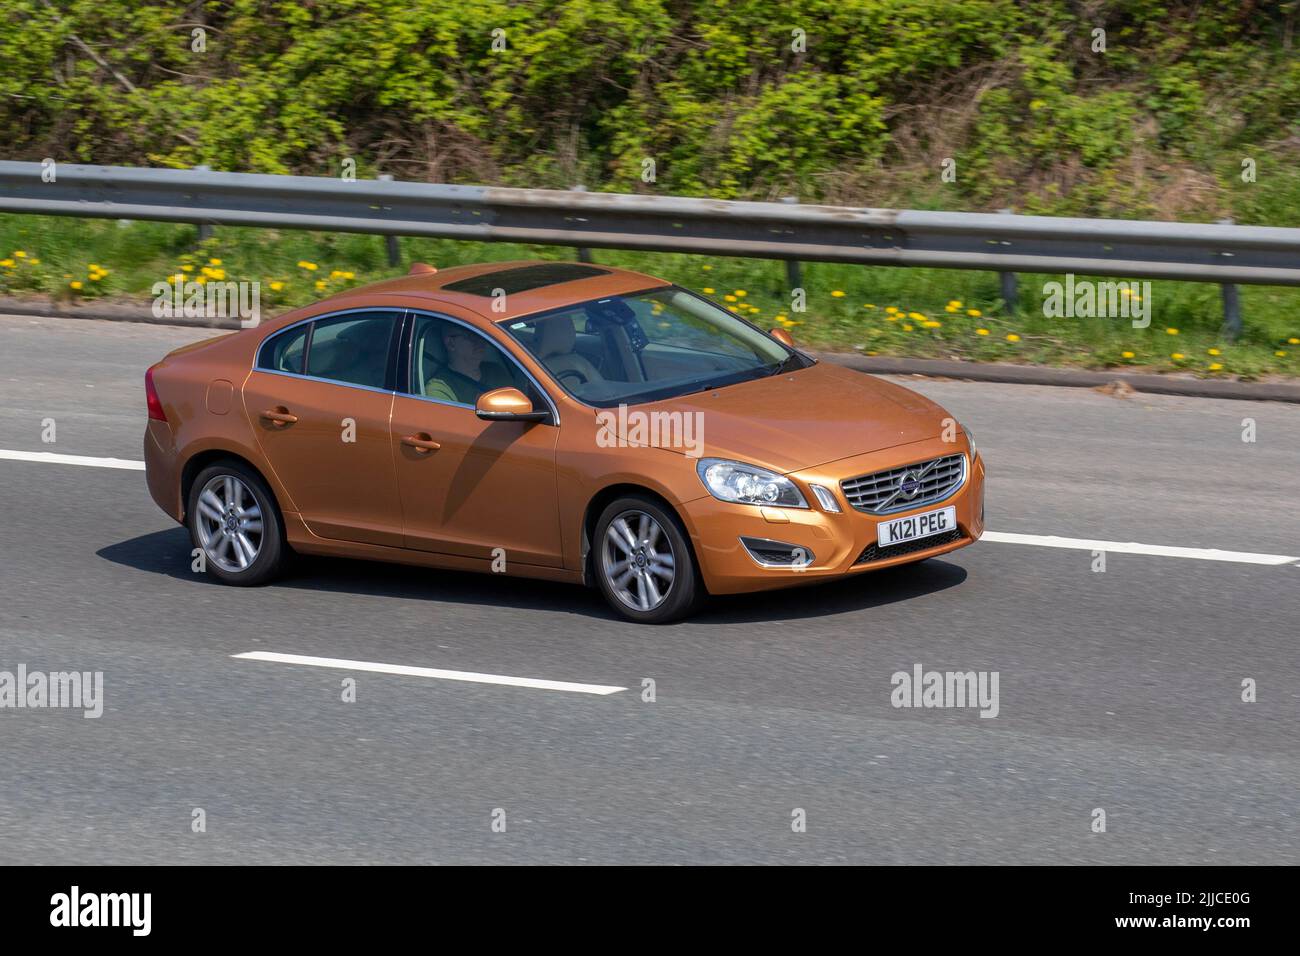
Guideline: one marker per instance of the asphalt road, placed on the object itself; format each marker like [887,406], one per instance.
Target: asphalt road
[1118,690]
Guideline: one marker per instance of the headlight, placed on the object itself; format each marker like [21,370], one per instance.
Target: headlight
[748,484]
[970,438]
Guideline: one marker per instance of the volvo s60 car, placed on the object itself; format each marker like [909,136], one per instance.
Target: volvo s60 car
[564,421]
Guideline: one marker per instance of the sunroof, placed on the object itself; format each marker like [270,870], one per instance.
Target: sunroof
[525,278]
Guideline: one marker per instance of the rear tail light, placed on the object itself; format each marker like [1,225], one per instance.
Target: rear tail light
[151,399]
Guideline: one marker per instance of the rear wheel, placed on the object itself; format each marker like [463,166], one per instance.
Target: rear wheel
[643,562]
[234,521]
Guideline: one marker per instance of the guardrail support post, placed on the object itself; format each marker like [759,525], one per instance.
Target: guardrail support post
[584,254]
[390,241]
[1010,291]
[1231,305]
[1009,283]
[205,228]
[793,267]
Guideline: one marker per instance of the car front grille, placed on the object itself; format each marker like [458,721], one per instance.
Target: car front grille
[883,492]
[874,552]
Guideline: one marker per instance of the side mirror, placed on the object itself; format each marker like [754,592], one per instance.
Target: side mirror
[507,405]
[782,336]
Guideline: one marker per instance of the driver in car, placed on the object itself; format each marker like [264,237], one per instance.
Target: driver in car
[464,378]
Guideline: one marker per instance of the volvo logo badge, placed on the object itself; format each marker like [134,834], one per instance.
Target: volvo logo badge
[909,485]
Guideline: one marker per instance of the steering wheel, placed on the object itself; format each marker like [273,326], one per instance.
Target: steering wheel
[582,379]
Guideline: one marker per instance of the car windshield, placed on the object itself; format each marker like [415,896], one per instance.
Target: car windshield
[649,346]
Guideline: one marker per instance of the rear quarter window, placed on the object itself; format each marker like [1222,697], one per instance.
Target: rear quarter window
[284,352]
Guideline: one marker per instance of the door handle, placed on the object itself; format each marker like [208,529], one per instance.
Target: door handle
[279,417]
[421,442]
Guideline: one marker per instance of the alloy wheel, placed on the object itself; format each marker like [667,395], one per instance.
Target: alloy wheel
[638,561]
[229,523]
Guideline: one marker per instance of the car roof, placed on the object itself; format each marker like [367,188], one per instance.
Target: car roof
[530,286]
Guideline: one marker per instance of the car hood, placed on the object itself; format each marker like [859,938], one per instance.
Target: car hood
[806,418]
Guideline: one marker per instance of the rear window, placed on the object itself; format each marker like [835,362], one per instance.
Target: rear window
[525,278]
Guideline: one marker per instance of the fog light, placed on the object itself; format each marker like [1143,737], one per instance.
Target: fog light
[778,554]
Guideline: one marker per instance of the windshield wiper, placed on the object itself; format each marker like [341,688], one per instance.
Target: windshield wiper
[784,365]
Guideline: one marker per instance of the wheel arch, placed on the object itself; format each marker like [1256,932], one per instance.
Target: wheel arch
[201,459]
[600,501]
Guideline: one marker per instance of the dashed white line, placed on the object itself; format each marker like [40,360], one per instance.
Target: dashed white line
[51,458]
[1133,547]
[997,537]
[433,672]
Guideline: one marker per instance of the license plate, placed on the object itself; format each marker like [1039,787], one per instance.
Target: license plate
[916,526]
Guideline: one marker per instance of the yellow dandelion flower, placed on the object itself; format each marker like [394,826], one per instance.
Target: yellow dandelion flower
[1171,331]
[1293,341]
[1280,354]
[931,324]
[349,275]
[187,268]
[868,305]
[277,286]
[708,290]
[1012,337]
[1215,366]
[34,262]
[981,331]
[1178,356]
[916,316]
[907,328]
[214,262]
[1213,352]
[7,263]
[955,303]
[891,309]
[729,298]
[974,313]
[741,293]
[706,268]
[320,284]
[1127,355]
[201,280]
[837,293]
[74,285]
[336,274]
[19,254]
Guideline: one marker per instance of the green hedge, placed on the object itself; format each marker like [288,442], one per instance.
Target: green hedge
[714,91]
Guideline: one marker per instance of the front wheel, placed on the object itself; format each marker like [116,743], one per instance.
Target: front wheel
[643,562]
[234,521]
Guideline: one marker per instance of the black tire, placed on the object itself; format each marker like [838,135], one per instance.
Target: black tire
[271,551]
[686,590]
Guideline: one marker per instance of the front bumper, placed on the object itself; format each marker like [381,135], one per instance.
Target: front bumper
[836,542]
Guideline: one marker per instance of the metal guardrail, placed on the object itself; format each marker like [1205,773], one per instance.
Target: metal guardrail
[997,242]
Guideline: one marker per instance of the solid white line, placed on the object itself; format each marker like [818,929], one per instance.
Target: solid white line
[997,537]
[1132,547]
[51,458]
[407,671]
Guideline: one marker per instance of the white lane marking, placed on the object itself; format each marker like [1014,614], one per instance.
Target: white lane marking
[51,458]
[998,537]
[1132,547]
[407,671]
